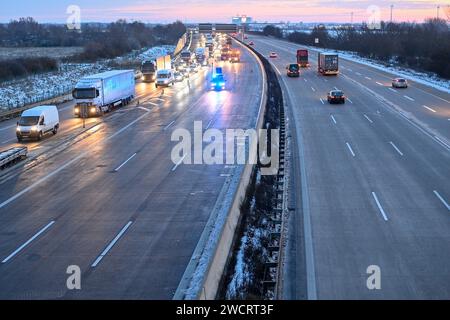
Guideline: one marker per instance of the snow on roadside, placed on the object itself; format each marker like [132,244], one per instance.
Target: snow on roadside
[427,79]
[21,92]
[242,274]
[18,93]
[155,52]
[430,80]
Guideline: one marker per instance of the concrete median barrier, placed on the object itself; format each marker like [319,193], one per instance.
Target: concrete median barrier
[202,278]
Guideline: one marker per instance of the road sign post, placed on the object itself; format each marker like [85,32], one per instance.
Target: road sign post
[84,112]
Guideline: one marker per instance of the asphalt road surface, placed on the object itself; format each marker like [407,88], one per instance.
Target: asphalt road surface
[114,203]
[372,183]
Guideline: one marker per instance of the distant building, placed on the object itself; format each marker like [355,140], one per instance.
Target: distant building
[239,20]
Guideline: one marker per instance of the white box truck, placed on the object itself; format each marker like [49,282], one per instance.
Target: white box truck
[328,63]
[101,92]
[164,63]
[34,123]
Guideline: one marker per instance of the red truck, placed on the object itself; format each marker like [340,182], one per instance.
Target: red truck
[302,58]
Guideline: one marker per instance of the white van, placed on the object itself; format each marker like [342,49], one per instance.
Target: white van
[164,78]
[37,121]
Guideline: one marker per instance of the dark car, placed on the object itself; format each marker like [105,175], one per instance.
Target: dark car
[336,96]
[293,70]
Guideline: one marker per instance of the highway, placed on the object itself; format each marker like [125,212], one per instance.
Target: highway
[110,200]
[371,183]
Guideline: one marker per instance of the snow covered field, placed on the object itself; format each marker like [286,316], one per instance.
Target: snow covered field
[21,92]
[37,52]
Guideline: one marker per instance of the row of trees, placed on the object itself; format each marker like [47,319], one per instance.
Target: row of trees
[121,37]
[98,40]
[272,31]
[26,32]
[423,46]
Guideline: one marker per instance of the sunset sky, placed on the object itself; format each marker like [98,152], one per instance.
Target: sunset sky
[221,10]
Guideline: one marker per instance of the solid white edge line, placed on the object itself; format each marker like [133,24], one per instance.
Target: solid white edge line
[395,147]
[350,148]
[374,195]
[28,242]
[111,244]
[125,162]
[377,70]
[442,142]
[442,199]
[307,225]
[273,64]
[391,106]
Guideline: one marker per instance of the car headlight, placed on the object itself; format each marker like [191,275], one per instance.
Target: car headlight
[18,129]
[77,110]
[93,110]
[33,128]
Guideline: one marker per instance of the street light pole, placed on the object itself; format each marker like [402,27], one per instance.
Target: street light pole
[392,8]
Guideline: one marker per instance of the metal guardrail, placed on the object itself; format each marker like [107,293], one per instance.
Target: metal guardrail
[12,113]
[52,93]
[12,155]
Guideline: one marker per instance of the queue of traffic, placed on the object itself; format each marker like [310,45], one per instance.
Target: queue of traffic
[98,94]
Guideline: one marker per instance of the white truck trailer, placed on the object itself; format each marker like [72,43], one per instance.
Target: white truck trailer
[100,93]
